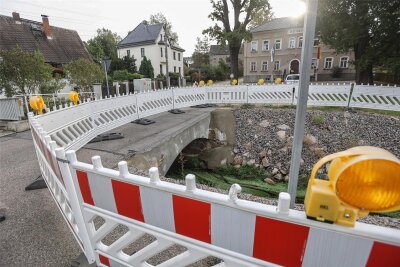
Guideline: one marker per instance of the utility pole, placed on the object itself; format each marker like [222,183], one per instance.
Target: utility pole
[167,41]
[301,109]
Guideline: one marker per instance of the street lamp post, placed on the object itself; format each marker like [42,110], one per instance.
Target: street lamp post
[301,109]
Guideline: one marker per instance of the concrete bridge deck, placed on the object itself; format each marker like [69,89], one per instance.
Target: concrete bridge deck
[156,144]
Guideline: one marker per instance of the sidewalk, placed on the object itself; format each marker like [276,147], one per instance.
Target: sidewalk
[34,232]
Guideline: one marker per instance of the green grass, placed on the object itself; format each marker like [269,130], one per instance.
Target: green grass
[251,180]
[317,120]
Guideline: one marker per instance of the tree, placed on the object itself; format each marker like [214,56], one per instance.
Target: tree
[369,28]
[160,18]
[84,73]
[243,13]
[22,72]
[103,45]
[54,85]
[146,68]
[201,54]
[261,16]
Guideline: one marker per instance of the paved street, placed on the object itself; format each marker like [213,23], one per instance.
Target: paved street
[34,232]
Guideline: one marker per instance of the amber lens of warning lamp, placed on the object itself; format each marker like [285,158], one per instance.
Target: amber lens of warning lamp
[361,180]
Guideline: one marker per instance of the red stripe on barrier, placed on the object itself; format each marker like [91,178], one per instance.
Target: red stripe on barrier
[192,218]
[85,187]
[279,242]
[384,255]
[104,260]
[127,200]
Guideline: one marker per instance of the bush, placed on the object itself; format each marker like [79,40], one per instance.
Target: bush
[146,68]
[84,73]
[317,120]
[336,72]
[124,75]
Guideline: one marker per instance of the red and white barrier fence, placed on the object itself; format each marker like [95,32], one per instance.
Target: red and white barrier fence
[252,233]
[240,233]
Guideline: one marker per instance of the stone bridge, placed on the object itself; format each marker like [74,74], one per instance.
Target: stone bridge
[159,144]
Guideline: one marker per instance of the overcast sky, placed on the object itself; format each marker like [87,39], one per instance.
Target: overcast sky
[188,17]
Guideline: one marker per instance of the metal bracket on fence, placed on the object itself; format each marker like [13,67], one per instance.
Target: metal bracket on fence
[62,160]
[351,95]
[143,121]
[176,111]
[106,137]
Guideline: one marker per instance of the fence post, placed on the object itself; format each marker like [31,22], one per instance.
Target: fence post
[350,96]
[74,200]
[293,94]
[247,94]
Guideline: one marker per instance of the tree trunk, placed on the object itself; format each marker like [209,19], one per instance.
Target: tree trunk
[234,48]
[363,68]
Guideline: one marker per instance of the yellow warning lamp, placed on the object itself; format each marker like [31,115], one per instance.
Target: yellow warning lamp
[260,81]
[201,83]
[360,180]
[234,82]
[37,104]
[210,82]
[74,97]
[278,81]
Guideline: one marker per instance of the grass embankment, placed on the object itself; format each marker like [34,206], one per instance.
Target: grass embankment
[250,178]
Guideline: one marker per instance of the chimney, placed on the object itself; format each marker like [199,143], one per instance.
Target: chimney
[145,22]
[16,17]
[46,27]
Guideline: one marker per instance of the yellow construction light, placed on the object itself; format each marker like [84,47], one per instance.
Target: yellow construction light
[201,83]
[260,81]
[74,97]
[234,82]
[37,104]
[360,180]
[278,81]
[210,82]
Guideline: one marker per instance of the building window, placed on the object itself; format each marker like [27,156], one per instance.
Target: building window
[253,66]
[174,55]
[344,62]
[174,69]
[265,45]
[180,71]
[314,63]
[328,62]
[316,42]
[161,50]
[264,66]
[292,42]
[142,52]
[300,43]
[277,65]
[161,71]
[278,43]
[253,47]
[128,53]
[179,56]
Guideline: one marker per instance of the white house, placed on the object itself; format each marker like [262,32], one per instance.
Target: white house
[148,40]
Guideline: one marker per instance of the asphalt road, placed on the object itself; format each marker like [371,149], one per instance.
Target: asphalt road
[34,232]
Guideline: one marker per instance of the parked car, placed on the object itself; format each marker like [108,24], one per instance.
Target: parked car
[292,78]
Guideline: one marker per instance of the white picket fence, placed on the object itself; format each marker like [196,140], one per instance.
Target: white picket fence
[238,232]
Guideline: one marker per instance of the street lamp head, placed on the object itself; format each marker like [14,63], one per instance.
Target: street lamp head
[232,76]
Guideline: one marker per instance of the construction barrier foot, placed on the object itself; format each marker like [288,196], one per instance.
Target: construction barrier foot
[81,261]
[143,121]
[176,111]
[39,183]
[106,137]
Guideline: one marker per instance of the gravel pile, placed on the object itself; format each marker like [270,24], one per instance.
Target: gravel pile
[267,134]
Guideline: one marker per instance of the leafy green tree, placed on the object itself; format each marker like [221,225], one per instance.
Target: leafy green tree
[261,16]
[233,33]
[201,53]
[84,73]
[160,18]
[369,28]
[126,63]
[22,72]
[146,68]
[103,45]
[53,86]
